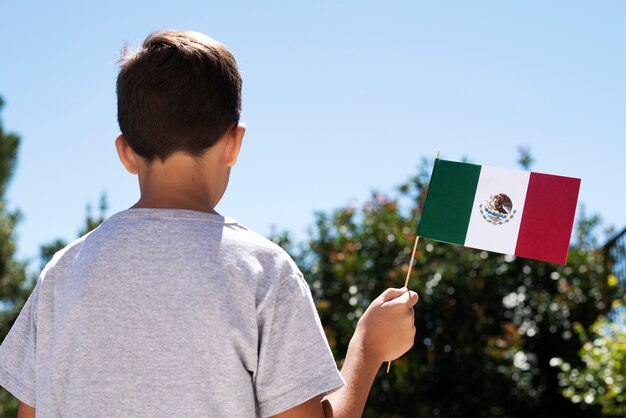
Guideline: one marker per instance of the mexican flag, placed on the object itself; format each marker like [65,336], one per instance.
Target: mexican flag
[506,211]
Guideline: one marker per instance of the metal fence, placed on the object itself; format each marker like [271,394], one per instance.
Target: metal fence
[615,251]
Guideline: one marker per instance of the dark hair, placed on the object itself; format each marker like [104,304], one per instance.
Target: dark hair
[181,91]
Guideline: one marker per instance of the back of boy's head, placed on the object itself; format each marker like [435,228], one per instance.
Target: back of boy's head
[180,91]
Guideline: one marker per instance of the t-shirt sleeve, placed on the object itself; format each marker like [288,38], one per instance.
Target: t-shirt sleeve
[17,354]
[295,363]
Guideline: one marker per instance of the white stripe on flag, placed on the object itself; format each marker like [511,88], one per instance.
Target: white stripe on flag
[487,236]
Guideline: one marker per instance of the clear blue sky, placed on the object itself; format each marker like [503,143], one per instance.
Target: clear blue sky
[340,98]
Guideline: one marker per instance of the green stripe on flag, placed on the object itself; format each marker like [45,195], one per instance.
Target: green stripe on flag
[449,201]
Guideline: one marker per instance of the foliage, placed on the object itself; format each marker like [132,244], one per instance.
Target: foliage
[14,288]
[601,380]
[487,324]
[525,159]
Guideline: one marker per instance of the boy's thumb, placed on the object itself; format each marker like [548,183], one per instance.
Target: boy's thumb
[392,293]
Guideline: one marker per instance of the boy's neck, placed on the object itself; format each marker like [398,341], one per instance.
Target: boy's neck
[181,182]
[170,203]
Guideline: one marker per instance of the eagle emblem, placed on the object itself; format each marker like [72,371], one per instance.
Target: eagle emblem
[498,209]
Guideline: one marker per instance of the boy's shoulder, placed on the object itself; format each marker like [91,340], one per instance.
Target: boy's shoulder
[175,228]
[256,242]
[63,256]
[189,226]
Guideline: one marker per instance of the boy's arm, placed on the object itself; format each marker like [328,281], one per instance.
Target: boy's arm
[25,411]
[384,332]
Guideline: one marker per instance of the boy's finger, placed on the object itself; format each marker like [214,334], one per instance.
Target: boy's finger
[392,293]
[408,298]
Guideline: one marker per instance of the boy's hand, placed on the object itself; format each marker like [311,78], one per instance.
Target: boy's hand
[386,330]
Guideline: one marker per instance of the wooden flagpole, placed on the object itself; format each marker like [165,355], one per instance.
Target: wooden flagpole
[408,273]
[406,281]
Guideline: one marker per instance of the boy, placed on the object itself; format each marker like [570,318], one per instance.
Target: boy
[170,309]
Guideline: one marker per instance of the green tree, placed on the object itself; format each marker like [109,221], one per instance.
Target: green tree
[487,324]
[14,288]
[601,379]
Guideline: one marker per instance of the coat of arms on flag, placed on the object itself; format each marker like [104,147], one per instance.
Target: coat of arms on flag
[498,209]
[523,213]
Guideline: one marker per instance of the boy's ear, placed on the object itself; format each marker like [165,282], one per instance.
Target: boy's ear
[233,144]
[127,154]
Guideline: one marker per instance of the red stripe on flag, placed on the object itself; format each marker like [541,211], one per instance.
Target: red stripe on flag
[548,217]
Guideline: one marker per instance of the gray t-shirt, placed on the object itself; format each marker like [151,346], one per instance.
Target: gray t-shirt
[168,312]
